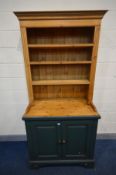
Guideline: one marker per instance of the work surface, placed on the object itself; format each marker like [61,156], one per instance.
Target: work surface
[63,107]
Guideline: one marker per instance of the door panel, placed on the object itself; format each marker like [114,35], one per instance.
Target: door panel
[45,137]
[75,140]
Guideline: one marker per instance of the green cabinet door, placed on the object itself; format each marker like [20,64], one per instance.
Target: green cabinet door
[78,139]
[43,139]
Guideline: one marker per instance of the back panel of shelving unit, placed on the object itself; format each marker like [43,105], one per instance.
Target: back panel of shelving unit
[60,91]
[67,35]
[60,54]
[60,72]
[62,35]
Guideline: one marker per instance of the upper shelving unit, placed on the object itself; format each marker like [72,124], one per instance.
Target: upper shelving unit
[60,57]
[60,50]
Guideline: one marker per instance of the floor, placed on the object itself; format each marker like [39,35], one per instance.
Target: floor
[14,157]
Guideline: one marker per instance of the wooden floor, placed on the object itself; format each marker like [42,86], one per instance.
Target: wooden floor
[63,107]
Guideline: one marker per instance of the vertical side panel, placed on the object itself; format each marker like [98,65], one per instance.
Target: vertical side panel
[92,132]
[93,65]
[27,65]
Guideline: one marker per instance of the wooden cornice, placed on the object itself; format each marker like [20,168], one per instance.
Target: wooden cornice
[38,15]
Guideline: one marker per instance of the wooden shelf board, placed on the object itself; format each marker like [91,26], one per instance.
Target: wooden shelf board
[59,45]
[60,107]
[59,82]
[58,62]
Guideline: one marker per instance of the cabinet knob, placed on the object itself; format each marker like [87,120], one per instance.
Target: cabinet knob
[63,141]
[59,141]
[58,124]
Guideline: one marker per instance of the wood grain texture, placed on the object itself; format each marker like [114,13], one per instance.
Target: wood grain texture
[61,54]
[93,65]
[60,23]
[87,14]
[60,50]
[58,62]
[60,91]
[59,82]
[60,72]
[64,18]
[61,107]
[62,36]
[44,46]
[27,66]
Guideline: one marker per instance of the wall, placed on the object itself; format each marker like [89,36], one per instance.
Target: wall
[13,89]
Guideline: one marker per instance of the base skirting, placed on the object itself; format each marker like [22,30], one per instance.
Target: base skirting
[5,138]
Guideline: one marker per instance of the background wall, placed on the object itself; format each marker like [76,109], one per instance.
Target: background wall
[13,89]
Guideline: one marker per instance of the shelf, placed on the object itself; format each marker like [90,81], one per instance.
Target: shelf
[43,46]
[60,82]
[58,62]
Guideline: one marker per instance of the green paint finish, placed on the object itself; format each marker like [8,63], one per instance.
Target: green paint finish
[61,140]
[78,143]
[44,139]
[76,138]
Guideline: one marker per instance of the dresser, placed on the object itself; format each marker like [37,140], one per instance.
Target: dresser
[60,54]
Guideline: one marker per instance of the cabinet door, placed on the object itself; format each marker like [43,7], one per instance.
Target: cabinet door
[78,139]
[43,139]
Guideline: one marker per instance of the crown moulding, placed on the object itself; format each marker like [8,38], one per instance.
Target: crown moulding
[38,15]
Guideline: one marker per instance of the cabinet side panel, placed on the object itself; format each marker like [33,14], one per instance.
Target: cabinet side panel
[92,132]
[26,60]
[93,65]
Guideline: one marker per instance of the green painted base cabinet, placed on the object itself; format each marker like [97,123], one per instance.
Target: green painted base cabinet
[67,140]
